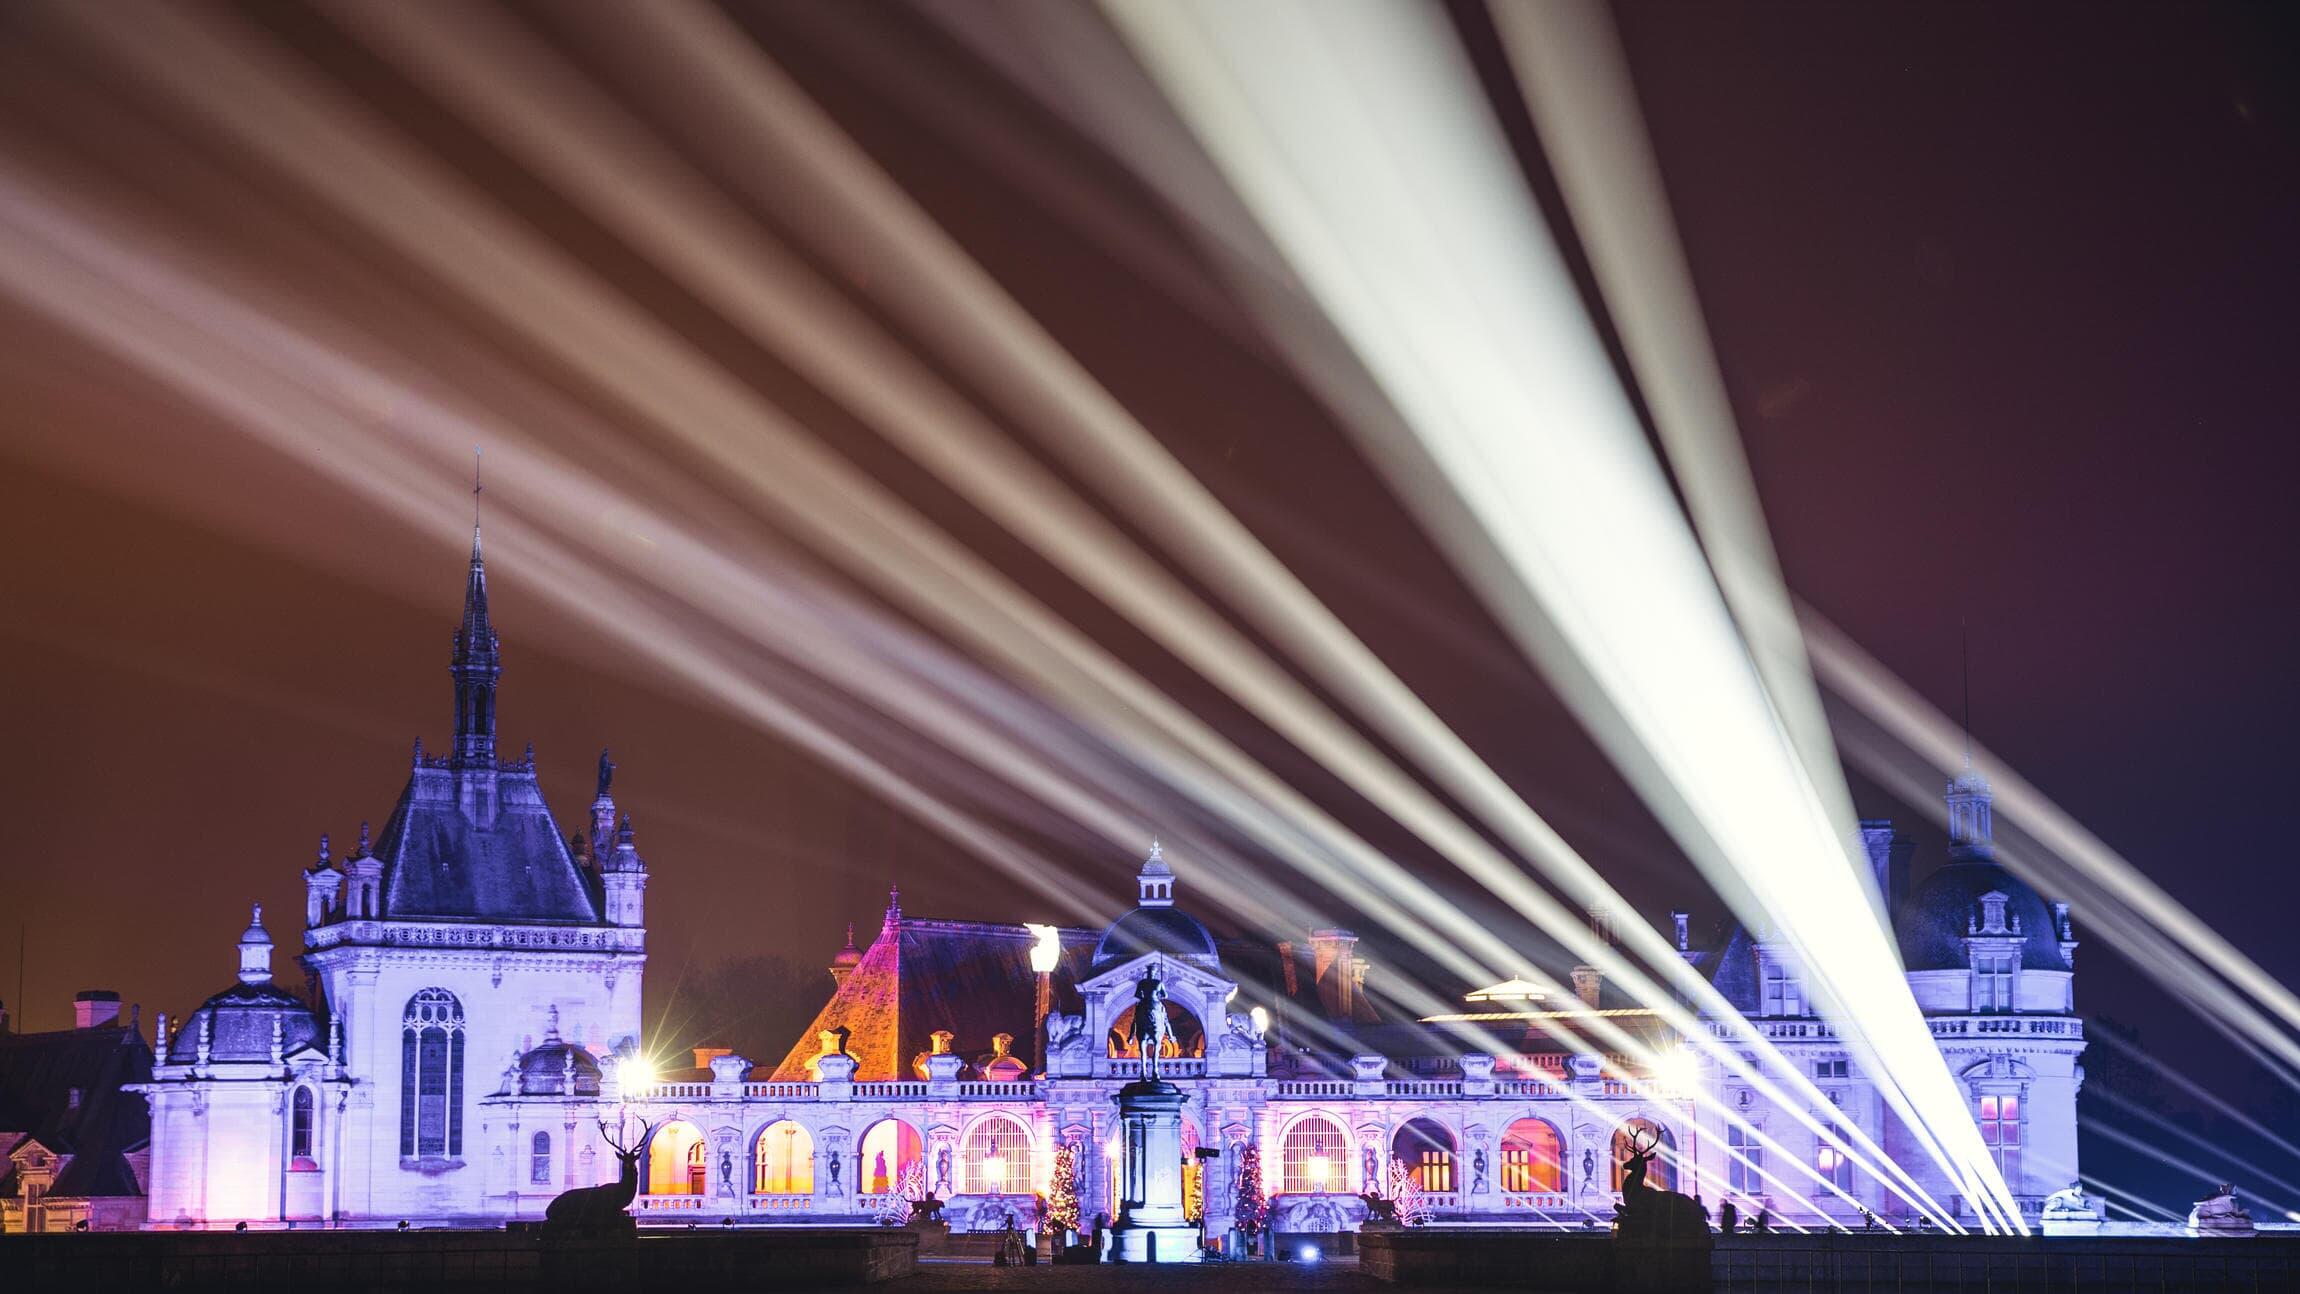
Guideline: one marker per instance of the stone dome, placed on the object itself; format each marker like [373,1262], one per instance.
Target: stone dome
[554,1067]
[238,1024]
[1947,905]
[1150,929]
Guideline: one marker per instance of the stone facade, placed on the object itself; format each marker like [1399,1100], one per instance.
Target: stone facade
[479,1022]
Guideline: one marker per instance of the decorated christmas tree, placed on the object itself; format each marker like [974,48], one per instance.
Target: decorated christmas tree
[1062,1192]
[1252,1210]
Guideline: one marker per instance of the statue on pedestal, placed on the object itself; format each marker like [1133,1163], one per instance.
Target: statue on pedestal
[2218,1214]
[1151,1027]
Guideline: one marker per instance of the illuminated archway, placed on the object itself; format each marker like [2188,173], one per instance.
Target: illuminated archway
[1314,1156]
[1426,1148]
[675,1160]
[1185,1036]
[1532,1158]
[889,1148]
[995,1157]
[783,1160]
[1661,1175]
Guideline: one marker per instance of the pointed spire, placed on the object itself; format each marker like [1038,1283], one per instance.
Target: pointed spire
[477,664]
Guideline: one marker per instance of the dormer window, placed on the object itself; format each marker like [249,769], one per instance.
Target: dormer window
[1781,995]
[1993,975]
[1993,914]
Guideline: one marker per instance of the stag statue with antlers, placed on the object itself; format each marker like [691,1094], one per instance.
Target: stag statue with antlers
[604,1207]
[1648,1213]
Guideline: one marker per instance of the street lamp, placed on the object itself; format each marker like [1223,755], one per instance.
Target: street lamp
[1045,954]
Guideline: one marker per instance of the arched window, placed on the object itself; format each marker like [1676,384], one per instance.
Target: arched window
[1315,1156]
[539,1160]
[1531,1161]
[299,1126]
[1184,1035]
[785,1160]
[996,1158]
[431,1077]
[1426,1149]
[889,1148]
[1661,1174]
[674,1154]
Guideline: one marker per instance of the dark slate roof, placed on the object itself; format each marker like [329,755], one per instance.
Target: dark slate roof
[970,977]
[37,1074]
[1933,921]
[240,1025]
[1152,929]
[439,863]
[1733,970]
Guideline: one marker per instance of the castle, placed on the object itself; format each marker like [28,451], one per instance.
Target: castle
[479,977]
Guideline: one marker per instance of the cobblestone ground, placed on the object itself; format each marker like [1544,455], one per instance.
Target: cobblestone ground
[935,1276]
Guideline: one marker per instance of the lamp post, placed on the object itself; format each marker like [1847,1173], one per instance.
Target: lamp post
[1045,952]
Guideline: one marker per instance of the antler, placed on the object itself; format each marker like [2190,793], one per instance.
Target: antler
[645,1129]
[1637,1137]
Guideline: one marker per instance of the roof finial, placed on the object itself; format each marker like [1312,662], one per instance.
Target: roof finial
[321,865]
[476,490]
[893,903]
[363,846]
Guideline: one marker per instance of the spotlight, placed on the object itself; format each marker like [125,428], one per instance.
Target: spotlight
[1307,1254]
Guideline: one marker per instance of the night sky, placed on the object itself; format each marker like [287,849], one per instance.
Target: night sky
[2004,297]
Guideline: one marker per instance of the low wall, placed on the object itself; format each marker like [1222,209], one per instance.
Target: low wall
[1849,1263]
[374,1262]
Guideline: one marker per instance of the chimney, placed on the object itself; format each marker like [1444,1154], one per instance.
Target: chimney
[705,1055]
[1588,981]
[95,1008]
[1332,953]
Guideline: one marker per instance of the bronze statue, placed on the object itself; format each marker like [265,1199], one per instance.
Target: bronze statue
[588,1207]
[1151,1028]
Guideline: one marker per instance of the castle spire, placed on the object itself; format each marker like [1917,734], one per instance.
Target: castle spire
[477,664]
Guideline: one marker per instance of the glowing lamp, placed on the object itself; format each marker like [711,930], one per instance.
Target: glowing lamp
[994,1168]
[1046,952]
[1261,1017]
[1676,1070]
[1307,1253]
[1321,1169]
[637,1074]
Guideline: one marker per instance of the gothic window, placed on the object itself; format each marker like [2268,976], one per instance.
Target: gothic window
[1745,1161]
[1530,1158]
[539,1160]
[1781,996]
[1315,1156]
[431,1077]
[1993,977]
[299,1124]
[2000,1132]
[996,1158]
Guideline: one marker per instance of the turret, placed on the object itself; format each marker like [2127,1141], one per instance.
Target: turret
[323,884]
[624,875]
[1156,880]
[363,877]
[846,959]
[255,949]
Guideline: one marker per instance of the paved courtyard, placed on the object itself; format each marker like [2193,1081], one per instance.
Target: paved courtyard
[1260,1277]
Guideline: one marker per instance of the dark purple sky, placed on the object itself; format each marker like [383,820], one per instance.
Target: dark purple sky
[2004,297]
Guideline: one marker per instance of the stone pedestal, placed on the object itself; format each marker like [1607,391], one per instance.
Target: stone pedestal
[1151,1226]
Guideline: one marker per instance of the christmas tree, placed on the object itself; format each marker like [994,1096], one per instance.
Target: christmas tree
[1062,1192]
[1252,1209]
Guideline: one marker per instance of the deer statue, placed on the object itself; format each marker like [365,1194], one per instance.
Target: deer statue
[603,1206]
[1649,1213]
[1640,1159]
